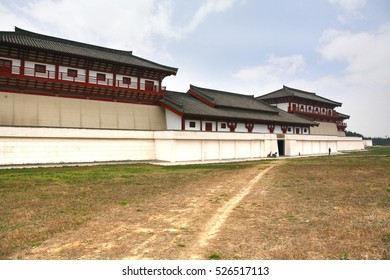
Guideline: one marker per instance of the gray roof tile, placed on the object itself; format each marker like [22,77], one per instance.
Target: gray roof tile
[193,107]
[292,92]
[29,39]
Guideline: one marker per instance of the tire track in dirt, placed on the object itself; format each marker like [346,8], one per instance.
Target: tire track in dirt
[217,221]
[175,225]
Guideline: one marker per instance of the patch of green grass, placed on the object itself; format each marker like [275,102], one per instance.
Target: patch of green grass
[214,256]
[123,203]
[36,243]
[345,256]
[289,217]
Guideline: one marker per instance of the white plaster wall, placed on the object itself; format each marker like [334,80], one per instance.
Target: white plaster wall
[226,129]
[173,120]
[282,106]
[367,143]
[57,145]
[260,128]
[187,125]
[81,74]
[155,82]
[93,80]
[26,145]
[316,144]
[241,128]
[175,146]
[213,125]
[119,81]
[36,110]
[29,70]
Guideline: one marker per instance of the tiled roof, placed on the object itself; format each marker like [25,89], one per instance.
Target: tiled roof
[190,106]
[231,100]
[292,92]
[25,38]
[343,116]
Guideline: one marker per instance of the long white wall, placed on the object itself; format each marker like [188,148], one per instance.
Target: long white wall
[176,146]
[27,145]
[317,144]
[32,145]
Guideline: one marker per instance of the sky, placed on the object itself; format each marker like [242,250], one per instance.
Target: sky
[339,49]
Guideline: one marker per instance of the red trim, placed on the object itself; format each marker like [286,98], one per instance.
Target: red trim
[87,81]
[22,65]
[171,109]
[232,126]
[81,97]
[183,123]
[271,128]
[249,126]
[194,94]
[284,129]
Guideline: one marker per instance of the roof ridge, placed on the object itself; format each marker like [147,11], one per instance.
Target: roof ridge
[303,91]
[23,32]
[224,92]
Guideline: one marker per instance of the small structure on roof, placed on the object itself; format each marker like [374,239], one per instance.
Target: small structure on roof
[310,106]
[203,109]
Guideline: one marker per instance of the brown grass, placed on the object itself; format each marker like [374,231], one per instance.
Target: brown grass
[311,208]
[319,208]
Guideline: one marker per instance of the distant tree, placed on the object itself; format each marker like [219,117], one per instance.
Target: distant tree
[353,134]
[378,141]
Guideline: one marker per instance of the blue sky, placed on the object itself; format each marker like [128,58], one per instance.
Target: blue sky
[339,49]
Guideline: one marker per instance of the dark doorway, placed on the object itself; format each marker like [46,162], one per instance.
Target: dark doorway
[149,85]
[281,147]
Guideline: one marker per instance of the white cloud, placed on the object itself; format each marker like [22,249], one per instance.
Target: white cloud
[210,6]
[130,25]
[348,8]
[273,72]
[364,86]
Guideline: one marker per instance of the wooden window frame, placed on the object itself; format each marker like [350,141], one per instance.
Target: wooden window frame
[149,85]
[208,126]
[40,68]
[192,124]
[72,73]
[223,125]
[101,77]
[3,65]
[126,80]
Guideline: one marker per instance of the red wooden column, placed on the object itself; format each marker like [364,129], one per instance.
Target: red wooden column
[183,124]
[22,65]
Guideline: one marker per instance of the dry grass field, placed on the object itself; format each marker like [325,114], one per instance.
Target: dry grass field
[330,207]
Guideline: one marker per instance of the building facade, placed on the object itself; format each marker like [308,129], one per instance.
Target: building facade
[311,106]
[52,82]
[63,101]
[202,109]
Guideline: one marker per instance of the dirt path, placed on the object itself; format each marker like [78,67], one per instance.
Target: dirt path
[175,225]
[215,223]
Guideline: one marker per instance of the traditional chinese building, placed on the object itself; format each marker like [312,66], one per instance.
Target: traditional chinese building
[63,101]
[202,109]
[53,82]
[311,106]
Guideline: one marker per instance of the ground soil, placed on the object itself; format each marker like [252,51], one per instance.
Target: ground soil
[333,207]
[178,225]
